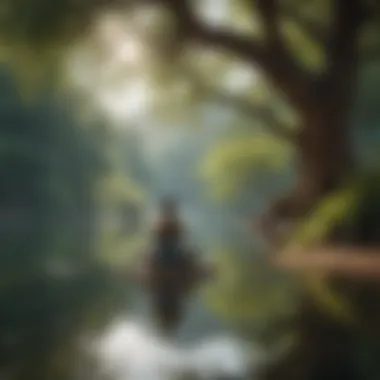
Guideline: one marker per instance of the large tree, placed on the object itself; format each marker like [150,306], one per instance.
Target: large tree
[322,98]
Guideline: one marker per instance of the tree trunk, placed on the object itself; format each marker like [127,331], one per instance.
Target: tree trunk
[323,162]
[326,348]
[323,157]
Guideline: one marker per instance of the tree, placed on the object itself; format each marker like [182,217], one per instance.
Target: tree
[245,162]
[321,97]
[322,100]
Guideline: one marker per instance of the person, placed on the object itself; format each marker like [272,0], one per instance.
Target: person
[170,264]
[168,236]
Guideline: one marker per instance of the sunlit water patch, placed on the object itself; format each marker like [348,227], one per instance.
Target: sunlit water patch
[129,350]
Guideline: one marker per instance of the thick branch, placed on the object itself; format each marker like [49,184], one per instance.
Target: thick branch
[255,111]
[339,261]
[269,12]
[190,28]
[261,112]
[276,64]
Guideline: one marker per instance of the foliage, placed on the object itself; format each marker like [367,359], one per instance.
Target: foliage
[36,34]
[230,165]
[251,296]
[353,209]
[53,285]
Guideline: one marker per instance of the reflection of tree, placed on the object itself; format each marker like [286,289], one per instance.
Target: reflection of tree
[251,296]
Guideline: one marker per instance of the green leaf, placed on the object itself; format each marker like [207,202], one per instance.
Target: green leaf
[228,166]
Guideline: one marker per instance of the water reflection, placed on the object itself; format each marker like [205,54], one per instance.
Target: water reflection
[130,350]
[133,348]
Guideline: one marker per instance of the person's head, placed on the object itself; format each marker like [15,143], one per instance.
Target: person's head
[168,227]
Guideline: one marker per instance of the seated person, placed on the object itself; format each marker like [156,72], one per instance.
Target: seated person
[168,250]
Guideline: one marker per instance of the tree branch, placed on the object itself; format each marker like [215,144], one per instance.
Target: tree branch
[190,28]
[268,10]
[339,261]
[276,64]
[255,111]
[251,110]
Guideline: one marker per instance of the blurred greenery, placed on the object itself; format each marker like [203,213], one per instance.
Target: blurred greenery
[73,192]
[252,297]
[55,282]
[231,164]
